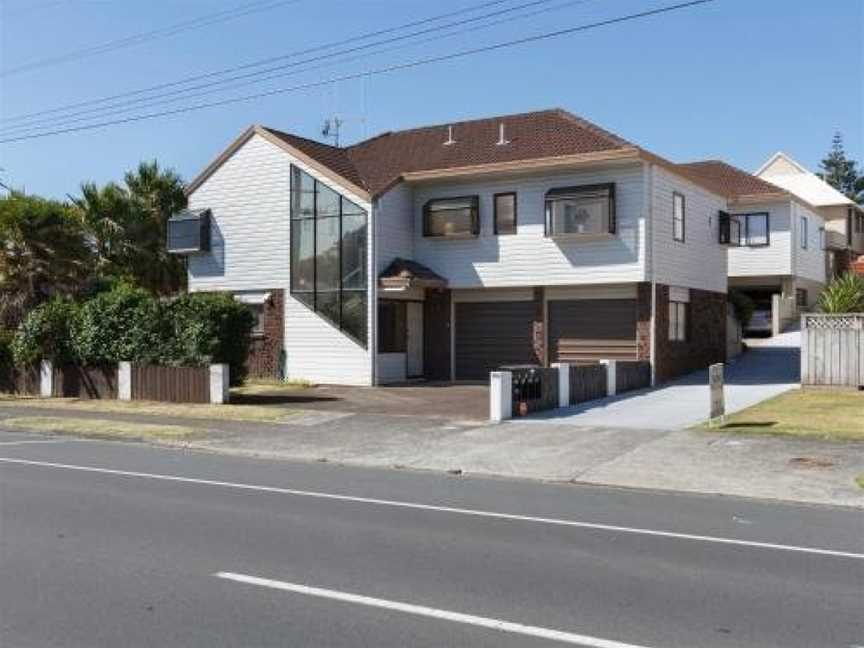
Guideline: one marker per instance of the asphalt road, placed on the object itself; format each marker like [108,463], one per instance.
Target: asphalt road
[160,547]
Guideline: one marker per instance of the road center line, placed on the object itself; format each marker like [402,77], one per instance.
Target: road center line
[435,613]
[443,509]
[17,443]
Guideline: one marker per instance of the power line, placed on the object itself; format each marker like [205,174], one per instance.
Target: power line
[257,63]
[382,70]
[252,78]
[136,39]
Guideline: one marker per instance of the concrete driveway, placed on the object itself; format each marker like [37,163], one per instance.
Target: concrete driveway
[769,368]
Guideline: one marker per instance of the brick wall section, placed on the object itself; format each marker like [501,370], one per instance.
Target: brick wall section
[643,321]
[858,266]
[706,334]
[266,349]
[538,333]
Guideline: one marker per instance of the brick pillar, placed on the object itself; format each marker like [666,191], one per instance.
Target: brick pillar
[643,321]
[538,330]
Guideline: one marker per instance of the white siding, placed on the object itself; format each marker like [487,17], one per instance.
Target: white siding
[774,259]
[699,261]
[395,226]
[809,263]
[249,196]
[529,258]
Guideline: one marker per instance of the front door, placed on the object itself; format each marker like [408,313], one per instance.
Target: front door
[414,339]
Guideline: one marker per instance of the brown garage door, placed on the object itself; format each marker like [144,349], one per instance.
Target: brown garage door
[593,329]
[491,334]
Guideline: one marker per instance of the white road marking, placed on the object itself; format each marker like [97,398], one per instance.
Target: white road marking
[17,443]
[435,613]
[445,509]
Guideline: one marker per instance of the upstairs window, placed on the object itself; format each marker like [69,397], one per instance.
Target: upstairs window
[803,233]
[189,232]
[580,211]
[753,229]
[452,217]
[822,241]
[678,217]
[328,254]
[505,213]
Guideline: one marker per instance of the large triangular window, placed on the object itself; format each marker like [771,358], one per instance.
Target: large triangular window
[329,254]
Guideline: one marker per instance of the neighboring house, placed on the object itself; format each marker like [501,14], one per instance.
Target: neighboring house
[778,253]
[844,220]
[448,251]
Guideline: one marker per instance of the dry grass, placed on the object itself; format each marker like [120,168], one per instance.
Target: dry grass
[816,413]
[254,413]
[270,386]
[102,429]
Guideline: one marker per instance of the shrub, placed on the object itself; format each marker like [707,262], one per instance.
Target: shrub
[124,323]
[45,334]
[843,295]
[743,306]
[211,328]
[6,359]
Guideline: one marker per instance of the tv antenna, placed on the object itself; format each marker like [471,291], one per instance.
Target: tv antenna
[331,129]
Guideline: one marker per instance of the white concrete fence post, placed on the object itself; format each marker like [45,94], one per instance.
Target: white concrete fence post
[46,379]
[500,396]
[563,383]
[219,384]
[124,381]
[611,376]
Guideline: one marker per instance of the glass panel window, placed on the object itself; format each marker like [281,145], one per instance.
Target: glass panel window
[392,331]
[505,213]
[580,210]
[303,255]
[677,321]
[753,229]
[678,217]
[454,217]
[328,254]
[257,311]
[803,232]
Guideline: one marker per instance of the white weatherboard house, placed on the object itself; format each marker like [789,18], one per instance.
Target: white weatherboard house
[448,251]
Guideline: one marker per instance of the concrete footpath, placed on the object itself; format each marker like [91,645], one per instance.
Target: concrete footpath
[684,460]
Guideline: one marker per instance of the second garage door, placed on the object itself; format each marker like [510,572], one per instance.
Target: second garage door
[592,329]
[491,334]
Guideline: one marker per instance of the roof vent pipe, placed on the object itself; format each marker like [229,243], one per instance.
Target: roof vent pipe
[450,139]
[501,139]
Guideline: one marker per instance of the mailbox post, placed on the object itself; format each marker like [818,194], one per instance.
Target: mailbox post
[718,400]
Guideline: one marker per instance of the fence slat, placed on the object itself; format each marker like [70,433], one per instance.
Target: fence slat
[171,384]
[832,350]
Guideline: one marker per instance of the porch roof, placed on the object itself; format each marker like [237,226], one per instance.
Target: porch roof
[405,273]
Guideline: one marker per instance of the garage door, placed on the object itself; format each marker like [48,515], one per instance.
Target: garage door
[491,334]
[595,329]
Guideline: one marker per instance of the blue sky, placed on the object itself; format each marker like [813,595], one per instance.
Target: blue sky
[733,79]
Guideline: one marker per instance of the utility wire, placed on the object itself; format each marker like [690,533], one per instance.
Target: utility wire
[257,63]
[137,39]
[377,71]
[253,77]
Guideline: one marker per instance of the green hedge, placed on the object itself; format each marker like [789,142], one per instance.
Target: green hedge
[129,324]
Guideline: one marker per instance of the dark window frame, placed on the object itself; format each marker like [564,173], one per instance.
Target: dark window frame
[675,195]
[803,232]
[562,192]
[303,295]
[475,217]
[495,198]
[744,229]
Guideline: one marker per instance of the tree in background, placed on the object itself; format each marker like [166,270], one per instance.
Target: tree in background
[127,225]
[841,172]
[43,252]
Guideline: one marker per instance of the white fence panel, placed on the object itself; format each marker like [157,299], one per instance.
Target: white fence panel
[832,350]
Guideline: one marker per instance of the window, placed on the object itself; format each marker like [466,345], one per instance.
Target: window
[822,241]
[452,217]
[580,211]
[328,254]
[257,311]
[801,297]
[505,213]
[677,321]
[392,327]
[753,229]
[189,232]
[678,217]
[859,223]
[803,233]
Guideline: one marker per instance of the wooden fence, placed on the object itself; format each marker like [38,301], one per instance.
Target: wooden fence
[72,381]
[632,375]
[20,381]
[832,350]
[534,389]
[587,382]
[171,384]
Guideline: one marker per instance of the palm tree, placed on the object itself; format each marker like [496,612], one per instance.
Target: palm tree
[43,252]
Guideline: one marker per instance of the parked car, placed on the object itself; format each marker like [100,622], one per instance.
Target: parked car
[760,322]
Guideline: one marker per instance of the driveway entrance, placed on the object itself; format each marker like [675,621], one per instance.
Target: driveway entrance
[770,367]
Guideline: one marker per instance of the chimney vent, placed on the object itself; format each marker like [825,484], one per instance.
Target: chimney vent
[450,139]
[502,141]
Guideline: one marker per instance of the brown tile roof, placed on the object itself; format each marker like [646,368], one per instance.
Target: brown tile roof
[377,163]
[726,179]
[410,270]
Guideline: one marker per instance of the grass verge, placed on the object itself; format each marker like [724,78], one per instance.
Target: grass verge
[253,413]
[102,429]
[860,481]
[814,413]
